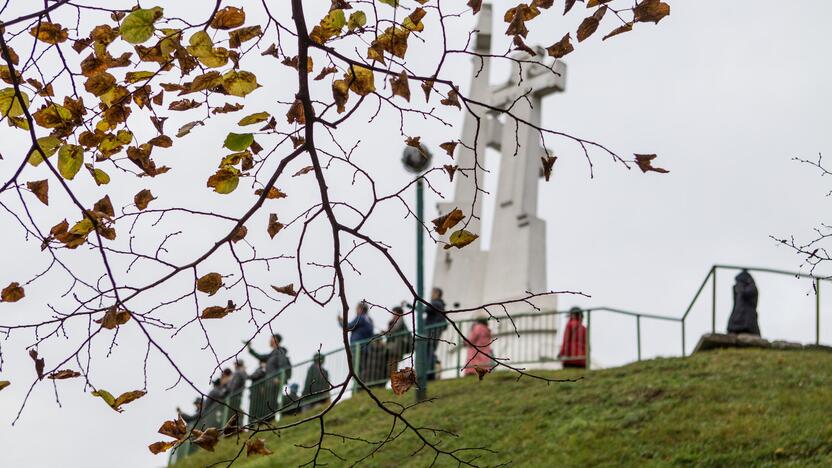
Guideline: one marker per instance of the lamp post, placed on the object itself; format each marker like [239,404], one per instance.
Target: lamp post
[416,160]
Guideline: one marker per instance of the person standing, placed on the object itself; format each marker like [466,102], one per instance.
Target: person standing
[361,331]
[479,347]
[278,371]
[435,324]
[316,385]
[744,314]
[573,350]
[235,388]
[399,339]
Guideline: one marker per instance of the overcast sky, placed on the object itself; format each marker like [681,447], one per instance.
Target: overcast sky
[726,93]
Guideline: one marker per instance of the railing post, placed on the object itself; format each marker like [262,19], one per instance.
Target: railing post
[817,311]
[638,335]
[458,355]
[588,339]
[713,299]
[356,364]
[683,338]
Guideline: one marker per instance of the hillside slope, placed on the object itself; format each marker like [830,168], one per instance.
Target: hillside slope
[720,408]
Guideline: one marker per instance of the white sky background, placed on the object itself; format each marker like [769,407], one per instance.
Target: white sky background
[725,92]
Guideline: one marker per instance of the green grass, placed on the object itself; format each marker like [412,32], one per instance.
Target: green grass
[720,408]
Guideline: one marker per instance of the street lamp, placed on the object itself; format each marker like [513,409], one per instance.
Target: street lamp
[416,160]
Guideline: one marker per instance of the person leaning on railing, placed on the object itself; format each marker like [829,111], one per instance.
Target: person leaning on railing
[277,371]
[435,324]
[361,330]
[316,385]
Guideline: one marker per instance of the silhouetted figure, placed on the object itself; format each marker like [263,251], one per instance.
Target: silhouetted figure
[361,330]
[435,323]
[573,349]
[235,388]
[399,339]
[317,383]
[744,315]
[214,403]
[479,349]
[374,371]
[278,370]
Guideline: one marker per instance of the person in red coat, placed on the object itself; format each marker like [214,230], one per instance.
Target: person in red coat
[479,355]
[573,350]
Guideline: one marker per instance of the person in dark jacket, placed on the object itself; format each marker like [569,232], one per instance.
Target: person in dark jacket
[278,370]
[235,387]
[291,401]
[435,323]
[214,404]
[573,350]
[374,371]
[744,315]
[361,327]
[399,339]
[317,383]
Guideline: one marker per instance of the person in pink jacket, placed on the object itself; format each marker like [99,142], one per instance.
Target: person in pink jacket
[479,354]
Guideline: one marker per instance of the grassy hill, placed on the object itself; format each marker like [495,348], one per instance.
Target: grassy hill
[721,408]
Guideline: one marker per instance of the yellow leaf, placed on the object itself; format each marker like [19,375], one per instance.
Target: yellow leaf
[209,283]
[461,238]
[12,293]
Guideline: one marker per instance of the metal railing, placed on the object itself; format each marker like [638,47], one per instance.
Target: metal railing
[528,339]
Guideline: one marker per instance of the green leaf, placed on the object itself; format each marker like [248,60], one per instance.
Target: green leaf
[357,20]
[239,83]
[238,141]
[100,177]
[138,27]
[254,118]
[82,228]
[392,3]
[70,160]
[225,180]
[49,145]
[10,105]
[461,238]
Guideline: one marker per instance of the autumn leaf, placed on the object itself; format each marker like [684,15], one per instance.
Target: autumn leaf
[274,226]
[568,6]
[272,194]
[304,170]
[329,27]
[324,72]
[123,399]
[626,27]
[645,163]
[650,10]
[252,119]
[10,104]
[186,129]
[400,85]
[449,147]
[161,141]
[4,384]
[238,141]
[41,190]
[460,239]
[50,33]
[481,371]
[257,447]
[113,318]
[138,26]
[99,176]
[209,283]
[239,82]
[239,234]
[548,163]
[174,428]
[225,180]
[589,25]
[49,145]
[357,20]
[143,198]
[39,363]
[215,312]
[560,48]
[289,289]
[360,80]
[520,45]
[12,293]
[447,221]
[104,206]
[70,160]
[451,170]
[228,18]
[237,37]
[402,380]
[452,99]
[161,446]
[64,374]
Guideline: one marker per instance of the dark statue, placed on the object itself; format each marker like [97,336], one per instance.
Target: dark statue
[744,316]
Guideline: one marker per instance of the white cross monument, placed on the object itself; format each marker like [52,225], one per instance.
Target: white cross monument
[515,264]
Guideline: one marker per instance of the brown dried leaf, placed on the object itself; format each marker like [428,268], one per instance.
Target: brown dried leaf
[295,113]
[548,163]
[174,428]
[4,384]
[451,170]
[50,33]
[273,193]
[239,234]
[289,289]
[447,221]
[162,141]
[257,447]
[161,446]
[520,45]
[475,6]
[304,170]
[64,374]
[215,312]
[560,48]
[324,72]
[209,283]
[228,18]
[39,363]
[481,371]
[402,380]
[650,10]
[568,6]
[449,147]
[143,198]
[113,318]
[41,190]
[589,25]
[645,163]
[274,225]
[452,99]
[104,206]
[13,292]
[400,86]
[626,27]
